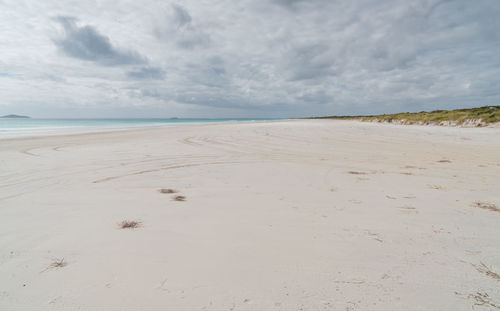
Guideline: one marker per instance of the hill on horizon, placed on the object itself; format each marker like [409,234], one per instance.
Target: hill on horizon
[14,116]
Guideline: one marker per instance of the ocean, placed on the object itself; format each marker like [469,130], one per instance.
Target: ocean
[39,127]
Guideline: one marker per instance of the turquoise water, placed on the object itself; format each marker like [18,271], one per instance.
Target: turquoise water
[35,127]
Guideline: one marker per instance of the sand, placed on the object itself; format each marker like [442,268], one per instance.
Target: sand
[291,215]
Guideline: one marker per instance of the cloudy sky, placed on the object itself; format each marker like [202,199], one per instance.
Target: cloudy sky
[247,58]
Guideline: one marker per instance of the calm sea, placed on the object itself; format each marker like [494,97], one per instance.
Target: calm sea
[36,127]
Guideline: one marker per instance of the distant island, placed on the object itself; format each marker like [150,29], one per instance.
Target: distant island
[14,116]
[473,117]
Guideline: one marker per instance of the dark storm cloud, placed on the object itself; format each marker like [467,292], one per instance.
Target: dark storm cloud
[87,43]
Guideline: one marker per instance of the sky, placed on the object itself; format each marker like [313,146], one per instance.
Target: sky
[246,58]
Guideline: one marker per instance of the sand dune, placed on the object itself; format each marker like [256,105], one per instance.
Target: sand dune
[291,215]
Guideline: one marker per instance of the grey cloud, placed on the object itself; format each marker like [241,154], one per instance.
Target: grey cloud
[311,61]
[298,5]
[148,73]
[211,98]
[87,43]
[316,97]
[178,27]
[288,3]
[210,72]
[181,16]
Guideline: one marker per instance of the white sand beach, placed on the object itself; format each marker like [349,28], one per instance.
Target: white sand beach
[289,215]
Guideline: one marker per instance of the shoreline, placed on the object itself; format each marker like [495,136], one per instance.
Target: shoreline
[104,129]
[166,126]
[83,130]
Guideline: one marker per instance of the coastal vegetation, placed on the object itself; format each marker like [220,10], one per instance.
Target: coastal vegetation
[482,116]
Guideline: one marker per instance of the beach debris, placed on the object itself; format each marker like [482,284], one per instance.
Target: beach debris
[481,299]
[484,269]
[351,281]
[356,173]
[487,206]
[180,198]
[435,187]
[56,264]
[407,207]
[166,190]
[444,161]
[129,224]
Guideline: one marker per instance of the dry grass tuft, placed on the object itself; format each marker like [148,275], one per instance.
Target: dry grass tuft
[179,198]
[58,263]
[487,206]
[484,269]
[167,191]
[129,224]
[483,299]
